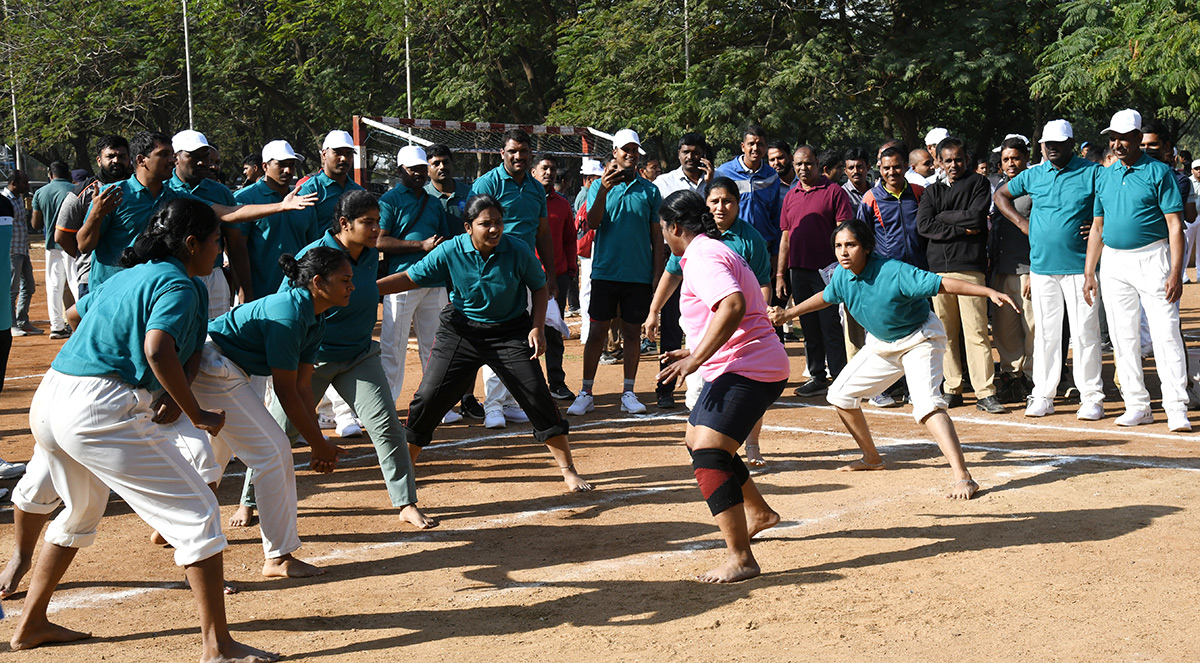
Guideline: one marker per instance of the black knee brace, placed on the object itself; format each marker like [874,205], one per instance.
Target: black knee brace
[740,470]
[717,474]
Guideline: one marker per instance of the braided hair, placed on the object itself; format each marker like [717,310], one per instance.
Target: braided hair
[688,210]
[320,261]
[166,234]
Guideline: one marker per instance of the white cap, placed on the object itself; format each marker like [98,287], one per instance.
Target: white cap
[591,167]
[188,141]
[1056,131]
[936,136]
[410,156]
[278,150]
[1196,163]
[1024,139]
[1124,121]
[625,137]
[336,139]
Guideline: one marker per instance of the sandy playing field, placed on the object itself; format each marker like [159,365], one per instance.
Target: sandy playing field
[1081,545]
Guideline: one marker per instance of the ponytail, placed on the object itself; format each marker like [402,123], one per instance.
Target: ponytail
[688,210]
[320,261]
[166,234]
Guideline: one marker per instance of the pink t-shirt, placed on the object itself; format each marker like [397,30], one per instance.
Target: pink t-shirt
[712,272]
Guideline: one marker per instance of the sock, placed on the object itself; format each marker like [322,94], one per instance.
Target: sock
[587,386]
[716,473]
[628,384]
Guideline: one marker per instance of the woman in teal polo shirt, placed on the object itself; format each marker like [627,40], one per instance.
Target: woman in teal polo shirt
[492,276]
[890,299]
[93,420]
[277,335]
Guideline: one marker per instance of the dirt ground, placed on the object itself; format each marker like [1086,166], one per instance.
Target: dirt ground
[1081,544]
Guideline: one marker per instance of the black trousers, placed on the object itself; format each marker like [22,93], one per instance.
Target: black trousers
[670,336]
[5,348]
[823,342]
[460,348]
[554,340]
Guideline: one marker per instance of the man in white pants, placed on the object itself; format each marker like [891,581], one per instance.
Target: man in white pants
[411,224]
[1138,229]
[47,201]
[591,171]
[1063,190]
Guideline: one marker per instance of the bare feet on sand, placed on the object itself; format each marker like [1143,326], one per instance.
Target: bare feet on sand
[733,570]
[289,567]
[242,517]
[157,539]
[962,489]
[236,652]
[575,483]
[417,518]
[757,522]
[754,457]
[29,636]
[10,579]
[862,465]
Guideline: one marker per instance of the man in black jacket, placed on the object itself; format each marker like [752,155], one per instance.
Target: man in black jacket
[953,218]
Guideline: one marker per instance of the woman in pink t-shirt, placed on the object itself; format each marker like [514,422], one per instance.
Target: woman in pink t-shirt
[732,344]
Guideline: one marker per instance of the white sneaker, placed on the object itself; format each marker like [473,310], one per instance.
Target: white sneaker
[1090,411]
[11,470]
[1039,407]
[583,404]
[515,414]
[452,417]
[631,404]
[883,400]
[326,422]
[494,419]
[351,429]
[1177,421]
[1135,417]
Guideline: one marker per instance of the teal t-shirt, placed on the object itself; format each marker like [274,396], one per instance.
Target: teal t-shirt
[281,330]
[455,205]
[120,227]
[746,242]
[405,216]
[890,298]
[1063,201]
[491,290]
[274,235]
[48,200]
[348,328]
[1134,201]
[118,314]
[524,204]
[6,228]
[211,192]
[329,192]
[622,249]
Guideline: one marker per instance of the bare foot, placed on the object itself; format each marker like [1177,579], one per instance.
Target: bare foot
[242,517]
[754,457]
[236,652]
[417,518]
[731,571]
[289,567]
[575,483]
[861,465]
[29,636]
[757,522]
[157,539]
[10,579]
[963,489]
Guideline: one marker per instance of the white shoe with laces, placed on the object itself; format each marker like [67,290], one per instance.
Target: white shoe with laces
[631,404]
[494,419]
[883,400]
[515,414]
[11,470]
[1137,417]
[1039,407]
[1177,421]
[352,429]
[1090,411]
[583,404]
[452,417]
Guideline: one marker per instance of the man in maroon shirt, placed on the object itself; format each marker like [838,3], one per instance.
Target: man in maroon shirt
[811,210]
[562,237]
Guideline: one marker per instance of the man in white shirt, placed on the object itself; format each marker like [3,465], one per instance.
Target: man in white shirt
[695,171]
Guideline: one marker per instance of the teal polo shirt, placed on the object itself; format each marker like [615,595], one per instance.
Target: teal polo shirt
[274,235]
[1134,201]
[1063,201]
[211,192]
[120,227]
[118,314]
[745,241]
[405,216]
[622,249]
[492,290]
[281,330]
[48,200]
[454,204]
[329,192]
[348,328]
[524,204]
[890,299]
[6,228]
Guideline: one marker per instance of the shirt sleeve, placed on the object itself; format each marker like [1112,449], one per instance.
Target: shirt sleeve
[1169,199]
[916,283]
[434,268]
[172,309]
[1016,186]
[673,266]
[842,208]
[282,340]
[717,280]
[832,294]
[529,268]
[1097,200]
[70,215]
[308,353]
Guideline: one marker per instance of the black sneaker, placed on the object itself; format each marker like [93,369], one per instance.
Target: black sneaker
[991,405]
[471,407]
[666,400]
[954,400]
[559,392]
[814,387]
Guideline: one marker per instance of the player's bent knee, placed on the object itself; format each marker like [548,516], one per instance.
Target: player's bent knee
[841,401]
[717,475]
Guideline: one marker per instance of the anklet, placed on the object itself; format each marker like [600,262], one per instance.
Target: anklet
[570,466]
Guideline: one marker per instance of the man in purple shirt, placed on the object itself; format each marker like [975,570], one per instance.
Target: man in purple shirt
[811,210]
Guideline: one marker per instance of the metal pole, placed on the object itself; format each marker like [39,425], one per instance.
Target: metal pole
[12,94]
[687,60]
[407,65]
[187,58]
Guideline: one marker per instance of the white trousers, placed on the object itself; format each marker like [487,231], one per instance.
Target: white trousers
[1190,246]
[58,280]
[252,433]
[417,310]
[218,293]
[585,297]
[1130,278]
[1053,296]
[95,434]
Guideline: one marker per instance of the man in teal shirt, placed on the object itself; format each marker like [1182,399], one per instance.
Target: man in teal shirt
[46,203]
[333,179]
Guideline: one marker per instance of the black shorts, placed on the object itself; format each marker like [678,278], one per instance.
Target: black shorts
[732,404]
[632,298]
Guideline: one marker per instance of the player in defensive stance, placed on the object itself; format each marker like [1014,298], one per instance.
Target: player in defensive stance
[732,344]
[92,418]
[891,300]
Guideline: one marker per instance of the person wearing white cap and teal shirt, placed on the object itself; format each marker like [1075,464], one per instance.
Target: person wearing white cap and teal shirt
[1062,192]
[271,236]
[627,260]
[411,224]
[333,179]
[1138,231]
[935,136]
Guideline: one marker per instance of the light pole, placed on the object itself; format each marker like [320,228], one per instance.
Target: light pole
[187,58]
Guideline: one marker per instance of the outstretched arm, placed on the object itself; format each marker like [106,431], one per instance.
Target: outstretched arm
[952,286]
[726,318]
[294,391]
[400,282]
[240,213]
[812,304]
